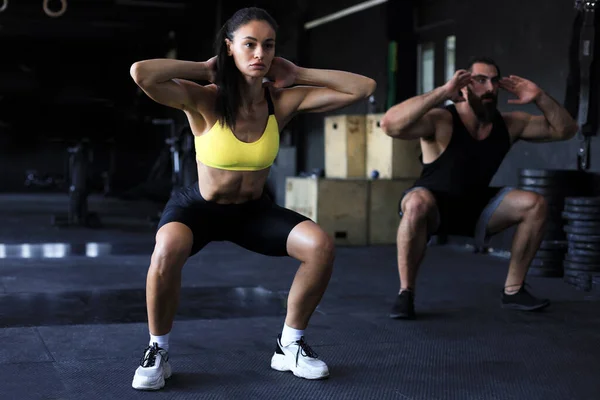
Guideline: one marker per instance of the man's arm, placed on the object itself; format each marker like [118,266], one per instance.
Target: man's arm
[555,124]
[415,118]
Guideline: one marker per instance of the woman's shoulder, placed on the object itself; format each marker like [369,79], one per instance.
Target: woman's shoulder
[274,92]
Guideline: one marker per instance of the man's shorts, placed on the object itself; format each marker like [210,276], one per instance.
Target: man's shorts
[464,215]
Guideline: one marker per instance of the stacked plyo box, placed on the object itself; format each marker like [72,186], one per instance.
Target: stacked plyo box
[349,203]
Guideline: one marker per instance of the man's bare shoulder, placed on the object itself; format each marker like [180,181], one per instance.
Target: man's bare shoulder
[441,118]
[440,115]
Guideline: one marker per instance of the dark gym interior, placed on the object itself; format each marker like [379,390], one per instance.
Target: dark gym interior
[88,161]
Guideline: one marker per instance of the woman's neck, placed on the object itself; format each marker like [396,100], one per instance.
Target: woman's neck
[252,92]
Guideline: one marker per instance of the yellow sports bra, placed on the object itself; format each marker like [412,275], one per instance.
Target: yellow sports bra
[219,148]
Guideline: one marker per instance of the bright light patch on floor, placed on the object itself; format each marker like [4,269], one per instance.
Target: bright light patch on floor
[25,251]
[91,250]
[55,250]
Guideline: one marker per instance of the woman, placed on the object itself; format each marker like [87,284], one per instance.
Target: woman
[236,123]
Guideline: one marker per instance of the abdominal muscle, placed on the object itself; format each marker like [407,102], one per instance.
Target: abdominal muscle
[224,186]
[230,187]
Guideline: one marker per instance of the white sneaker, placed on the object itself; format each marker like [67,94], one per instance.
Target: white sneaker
[299,358]
[153,370]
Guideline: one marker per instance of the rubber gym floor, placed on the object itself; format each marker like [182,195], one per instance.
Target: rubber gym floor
[73,320]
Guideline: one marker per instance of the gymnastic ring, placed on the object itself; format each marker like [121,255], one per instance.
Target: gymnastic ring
[4,5]
[54,14]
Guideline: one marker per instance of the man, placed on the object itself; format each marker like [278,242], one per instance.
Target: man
[462,147]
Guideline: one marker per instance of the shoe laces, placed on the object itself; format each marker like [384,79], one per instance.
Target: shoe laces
[305,350]
[149,358]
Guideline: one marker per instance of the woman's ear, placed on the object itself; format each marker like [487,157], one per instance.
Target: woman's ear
[229,44]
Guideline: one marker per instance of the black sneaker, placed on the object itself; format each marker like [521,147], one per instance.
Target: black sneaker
[523,300]
[404,306]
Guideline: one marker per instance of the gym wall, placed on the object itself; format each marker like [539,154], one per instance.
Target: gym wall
[357,43]
[515,33]
[526,38]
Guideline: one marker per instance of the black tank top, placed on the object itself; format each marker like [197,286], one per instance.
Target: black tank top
[467,164]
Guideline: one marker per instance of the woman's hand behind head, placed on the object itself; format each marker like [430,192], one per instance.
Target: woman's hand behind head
[282,73]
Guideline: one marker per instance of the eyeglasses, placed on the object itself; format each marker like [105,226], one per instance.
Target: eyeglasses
[483,79]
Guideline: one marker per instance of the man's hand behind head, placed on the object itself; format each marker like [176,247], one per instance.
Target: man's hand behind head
[460,79]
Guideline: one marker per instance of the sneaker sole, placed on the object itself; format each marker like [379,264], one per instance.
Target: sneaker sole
[279,363]
[143,383]
[525,308]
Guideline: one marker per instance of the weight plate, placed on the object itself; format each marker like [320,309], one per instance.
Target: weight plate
[551,192]
[584,286]
[582,209]
[550,173]
[583,201]
[583,238]
[577,276]
[584,246]
[585,253]
[582,259]
[580,216]
[583,224]
[540,182]
[581,230]
[587,268]
[574,273]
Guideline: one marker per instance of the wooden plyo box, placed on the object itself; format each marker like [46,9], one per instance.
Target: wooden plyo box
[384,198]
[392,158]
[345,146]
[355,212]
[339,206]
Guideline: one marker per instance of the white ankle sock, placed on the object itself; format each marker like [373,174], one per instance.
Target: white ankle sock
[290,335]
[162,341]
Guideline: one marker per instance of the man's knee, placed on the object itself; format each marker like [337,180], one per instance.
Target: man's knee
[418,205]
[533,205]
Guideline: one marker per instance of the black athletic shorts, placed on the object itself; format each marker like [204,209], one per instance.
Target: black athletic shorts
[258,225]
[466,215]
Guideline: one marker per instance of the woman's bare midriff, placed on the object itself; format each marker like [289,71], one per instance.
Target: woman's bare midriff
[230,187]
[224,186]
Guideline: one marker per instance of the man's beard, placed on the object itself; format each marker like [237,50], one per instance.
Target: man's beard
[484,111]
